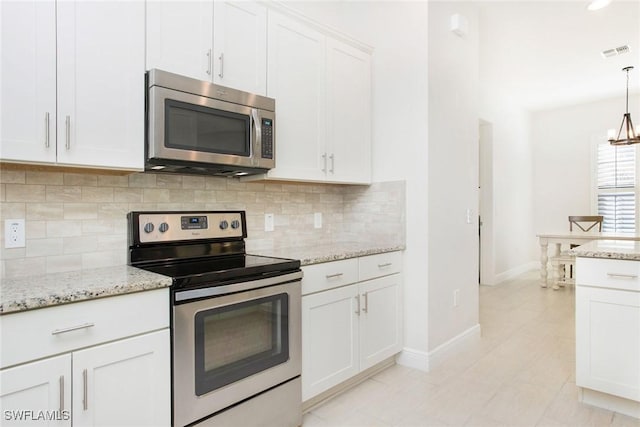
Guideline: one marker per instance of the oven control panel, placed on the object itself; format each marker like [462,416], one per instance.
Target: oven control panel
[156,227]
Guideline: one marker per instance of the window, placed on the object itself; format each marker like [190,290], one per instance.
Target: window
[616,188]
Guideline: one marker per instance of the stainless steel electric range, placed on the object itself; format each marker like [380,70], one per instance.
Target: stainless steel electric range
[235,327]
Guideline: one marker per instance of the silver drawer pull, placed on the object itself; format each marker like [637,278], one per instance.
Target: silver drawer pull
[386,264]
[73,328]
[331,276]
[622,276]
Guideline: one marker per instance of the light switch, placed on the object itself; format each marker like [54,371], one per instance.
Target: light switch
[269,221]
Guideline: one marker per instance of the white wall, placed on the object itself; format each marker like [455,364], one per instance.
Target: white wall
[562,158]
[453,173]
[398,32]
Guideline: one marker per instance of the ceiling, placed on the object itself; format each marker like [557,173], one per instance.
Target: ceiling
[546,54]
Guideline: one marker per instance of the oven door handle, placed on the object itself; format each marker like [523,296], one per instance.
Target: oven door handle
[190,294]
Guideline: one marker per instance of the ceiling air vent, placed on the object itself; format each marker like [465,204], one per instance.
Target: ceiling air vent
[608,53]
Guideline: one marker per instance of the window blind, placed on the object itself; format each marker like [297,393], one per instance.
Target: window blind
[616,186]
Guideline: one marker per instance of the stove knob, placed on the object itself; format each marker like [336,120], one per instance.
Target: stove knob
[224,225]
[148,227]
[235,224]
[163,227]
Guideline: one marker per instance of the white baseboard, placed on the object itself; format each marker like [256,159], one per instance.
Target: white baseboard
[516,271]
[424,361]
[607,401]
[412,358]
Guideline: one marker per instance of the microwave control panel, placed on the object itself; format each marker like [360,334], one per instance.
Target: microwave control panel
[267,138]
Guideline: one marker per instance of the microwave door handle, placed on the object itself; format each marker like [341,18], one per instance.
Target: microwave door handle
[255,115]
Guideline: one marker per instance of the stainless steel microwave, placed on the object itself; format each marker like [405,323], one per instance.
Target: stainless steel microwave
[195,126]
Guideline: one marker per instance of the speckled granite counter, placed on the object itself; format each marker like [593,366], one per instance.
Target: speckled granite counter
[612,249]
[326,253]
[33,292]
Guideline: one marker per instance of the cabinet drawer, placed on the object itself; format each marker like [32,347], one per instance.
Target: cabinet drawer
[30,335]
[329,275]
[608,273]
[379,265]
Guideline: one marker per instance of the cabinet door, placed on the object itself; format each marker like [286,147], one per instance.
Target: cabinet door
[348,113]
[296,79]
[37,393]
[329,339]
[126,382]
[101,84]
[608,341]
[240,46]
[381,320]
[28,71]
[180,37]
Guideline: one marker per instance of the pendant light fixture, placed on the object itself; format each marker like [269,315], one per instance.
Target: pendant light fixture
[627,134]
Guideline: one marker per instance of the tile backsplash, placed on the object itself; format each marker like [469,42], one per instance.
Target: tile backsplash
[77,220]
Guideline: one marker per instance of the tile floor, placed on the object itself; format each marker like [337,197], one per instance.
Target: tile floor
[521,373]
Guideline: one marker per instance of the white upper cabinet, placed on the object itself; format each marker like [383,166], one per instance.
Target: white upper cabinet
[240,46]
[223,42]
[72,85]
[28,78]
[296,79]
[348,113]
[179,37]
[101,84]
[322,88]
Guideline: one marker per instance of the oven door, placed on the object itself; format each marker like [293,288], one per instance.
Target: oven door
[230,347]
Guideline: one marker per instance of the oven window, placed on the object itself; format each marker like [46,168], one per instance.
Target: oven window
[199,128]
[236,341]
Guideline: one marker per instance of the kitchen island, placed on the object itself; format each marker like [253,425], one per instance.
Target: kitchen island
[608,324]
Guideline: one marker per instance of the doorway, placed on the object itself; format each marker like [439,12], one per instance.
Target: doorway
[486,273]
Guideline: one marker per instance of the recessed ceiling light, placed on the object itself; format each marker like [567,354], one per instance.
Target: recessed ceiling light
[598,4]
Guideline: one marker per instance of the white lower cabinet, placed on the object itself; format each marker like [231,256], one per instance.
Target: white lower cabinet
[123,383]
[608,327]
[350,328]
[114,369]
[38,393]
[330,339]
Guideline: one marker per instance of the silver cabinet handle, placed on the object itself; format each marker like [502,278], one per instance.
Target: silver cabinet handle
[67,125]
[333,163]
[73,328]
[331,276]
[622,276]
[366,302]
[61,393]
[85,387]
[386,264]
[209,62]
[221,59]
[357,297]
[46,130]
[324,159]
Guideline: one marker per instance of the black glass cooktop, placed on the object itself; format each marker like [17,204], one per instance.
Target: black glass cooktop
[221,270]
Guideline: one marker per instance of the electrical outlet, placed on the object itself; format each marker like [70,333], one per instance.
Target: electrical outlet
[269,222]
[14,233]
[317,220]
[456,297]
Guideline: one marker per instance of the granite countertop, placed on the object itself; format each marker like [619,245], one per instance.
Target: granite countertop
[611,249]
[26,293]
[329,252]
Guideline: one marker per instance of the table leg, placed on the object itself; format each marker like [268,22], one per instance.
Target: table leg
[543,263]
[558,268]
